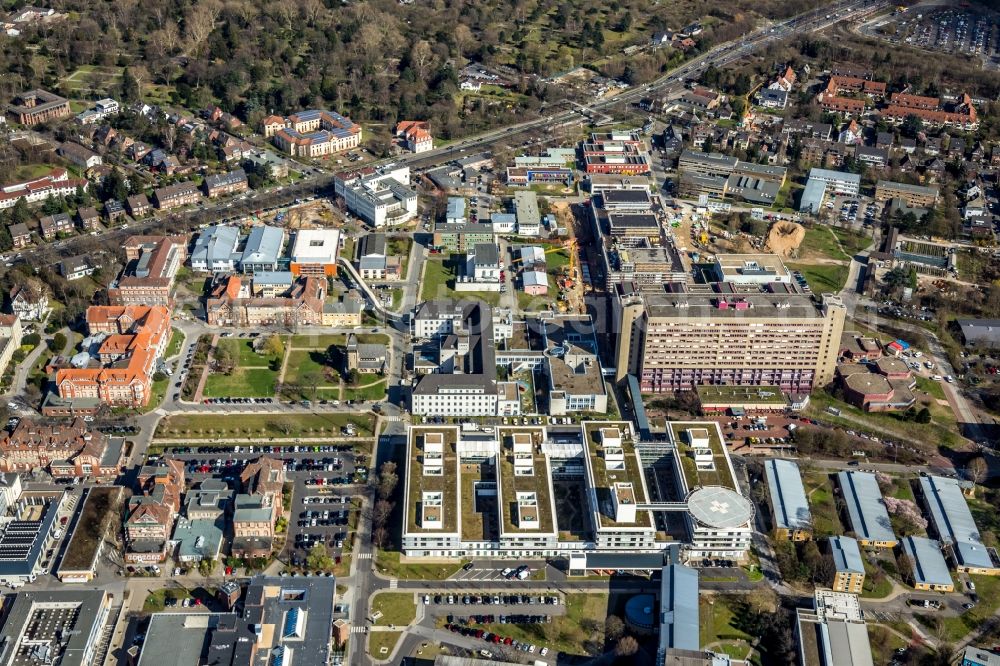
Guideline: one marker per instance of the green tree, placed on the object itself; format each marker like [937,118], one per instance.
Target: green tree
[923,416]
[318,558]
[58,342]
[274,346]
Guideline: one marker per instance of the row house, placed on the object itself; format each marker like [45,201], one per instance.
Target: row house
[221,184]
[176,195]
[56,183]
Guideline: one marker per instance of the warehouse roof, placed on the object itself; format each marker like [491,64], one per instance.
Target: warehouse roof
[929,566]
[788,496]
[865,508]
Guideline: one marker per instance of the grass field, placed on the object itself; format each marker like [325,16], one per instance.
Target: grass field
[823,278]
[716,623]
[243,351]
[438,273]
[174,346]
[382,643]
[201,426]
[31,171]
[375,391]
[397,608]
[318,341]
[92,79]
[941,431]
[306,366]
[388,563]
[241,383]
[988,589]
[819,491]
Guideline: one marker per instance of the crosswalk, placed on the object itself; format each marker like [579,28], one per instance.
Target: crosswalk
[364,556]
[392,417]
[393,584]
[357,630]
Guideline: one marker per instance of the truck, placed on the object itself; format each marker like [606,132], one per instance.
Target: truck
[523,574]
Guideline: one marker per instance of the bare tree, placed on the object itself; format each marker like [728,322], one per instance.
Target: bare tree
[978,469]
[627,646]
[614,628]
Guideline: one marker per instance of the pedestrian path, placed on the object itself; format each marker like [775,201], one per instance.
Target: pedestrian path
[357,630]
[393,584]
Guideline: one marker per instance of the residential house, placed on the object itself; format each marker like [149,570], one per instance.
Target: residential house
[138,206]
[114,210]
[53,225]
[76,268]
[416,135]
[79,155]
[20,235]
[29,302]
[88,218]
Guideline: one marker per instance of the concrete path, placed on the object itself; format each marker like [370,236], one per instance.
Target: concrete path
[204,372]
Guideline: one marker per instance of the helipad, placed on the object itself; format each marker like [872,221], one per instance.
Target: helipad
[719,507]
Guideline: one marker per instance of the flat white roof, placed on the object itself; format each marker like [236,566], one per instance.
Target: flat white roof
[316,246]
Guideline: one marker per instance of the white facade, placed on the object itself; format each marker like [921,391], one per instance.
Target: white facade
[380,199]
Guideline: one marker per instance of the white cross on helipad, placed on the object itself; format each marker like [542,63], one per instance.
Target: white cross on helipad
[719,507]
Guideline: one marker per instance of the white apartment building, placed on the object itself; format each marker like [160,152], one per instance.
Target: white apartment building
[380,198]
[511,475]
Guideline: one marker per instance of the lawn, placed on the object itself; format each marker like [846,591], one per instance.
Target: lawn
[875,587]
[940,431]
[175,344]
[823,278]
[988,589]
[31,171]
[819,490]
[439,280]
[318,341]
[397,608]
[716,621]
[565,633]
[374,391]
[242,350]
[200,426]
[438,273]
[308,367]
[241,383]
[382,640]
[388,563]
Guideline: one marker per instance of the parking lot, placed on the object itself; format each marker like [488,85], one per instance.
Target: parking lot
[949,31]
